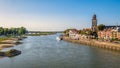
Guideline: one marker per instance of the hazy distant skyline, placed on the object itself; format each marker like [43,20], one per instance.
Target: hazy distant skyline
[57,15]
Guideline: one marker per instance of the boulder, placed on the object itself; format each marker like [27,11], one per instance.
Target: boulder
[10,53]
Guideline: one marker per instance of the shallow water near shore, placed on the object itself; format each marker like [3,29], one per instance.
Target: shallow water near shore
[47,52]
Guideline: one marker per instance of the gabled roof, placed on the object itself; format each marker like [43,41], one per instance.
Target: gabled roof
[74,30]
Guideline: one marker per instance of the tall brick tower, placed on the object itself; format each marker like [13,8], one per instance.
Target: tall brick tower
[94,23]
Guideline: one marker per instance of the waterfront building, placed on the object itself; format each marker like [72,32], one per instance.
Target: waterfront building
[105,34]
[118,32]
[109,33]
[73,34]
[87,37]
[118,36]
[111,26]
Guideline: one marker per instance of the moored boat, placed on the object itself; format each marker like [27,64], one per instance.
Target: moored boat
[58,38]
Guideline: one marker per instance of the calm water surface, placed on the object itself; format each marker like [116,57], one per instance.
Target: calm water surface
[46,52]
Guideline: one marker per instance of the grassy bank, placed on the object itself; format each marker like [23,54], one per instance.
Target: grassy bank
[4,38]
[6,42]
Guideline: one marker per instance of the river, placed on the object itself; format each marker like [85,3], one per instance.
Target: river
[46,52]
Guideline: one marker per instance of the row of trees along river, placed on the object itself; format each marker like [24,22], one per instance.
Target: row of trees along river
[12,31]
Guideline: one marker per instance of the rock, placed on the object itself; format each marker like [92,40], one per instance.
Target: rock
[10,53]
[2,54]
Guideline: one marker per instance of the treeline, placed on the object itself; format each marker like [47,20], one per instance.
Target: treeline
[12,31]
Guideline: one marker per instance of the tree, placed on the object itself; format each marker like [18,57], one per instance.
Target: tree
[22,30]
[89,32]
[66,32]
[5,31]
[101,27]
[1,30]
[12,31]
[85,31]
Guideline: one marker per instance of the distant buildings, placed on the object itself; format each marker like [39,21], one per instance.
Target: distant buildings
[109,33]
[106,27]
[73,34]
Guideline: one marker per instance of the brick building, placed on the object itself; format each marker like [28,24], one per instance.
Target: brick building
[109,33]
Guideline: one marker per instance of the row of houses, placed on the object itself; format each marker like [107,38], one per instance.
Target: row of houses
[109,33]
[73,34]
[106,34]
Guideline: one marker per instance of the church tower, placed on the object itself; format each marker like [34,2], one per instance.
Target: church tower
[94,23]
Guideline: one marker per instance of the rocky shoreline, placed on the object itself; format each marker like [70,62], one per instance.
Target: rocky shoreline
[10,42]
[105,45]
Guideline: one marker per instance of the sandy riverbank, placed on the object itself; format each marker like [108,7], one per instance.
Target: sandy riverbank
[8,43]
[106,45]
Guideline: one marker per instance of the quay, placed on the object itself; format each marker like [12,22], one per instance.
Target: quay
[95,43]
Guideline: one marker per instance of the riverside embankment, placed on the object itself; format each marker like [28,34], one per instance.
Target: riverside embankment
[99,44]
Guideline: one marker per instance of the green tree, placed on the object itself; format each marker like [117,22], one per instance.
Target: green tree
[67,31]
[5,31]
[1,30]
[101,27]
[12,31]
[22,30]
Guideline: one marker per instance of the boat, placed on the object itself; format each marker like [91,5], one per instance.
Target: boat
[58,38]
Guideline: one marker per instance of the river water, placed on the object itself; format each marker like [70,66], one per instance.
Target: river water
[46,52]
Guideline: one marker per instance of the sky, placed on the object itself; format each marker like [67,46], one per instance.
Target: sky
[57,15]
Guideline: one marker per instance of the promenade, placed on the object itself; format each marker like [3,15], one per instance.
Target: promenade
[92,42]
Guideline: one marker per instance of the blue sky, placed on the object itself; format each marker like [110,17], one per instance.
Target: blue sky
[57,15]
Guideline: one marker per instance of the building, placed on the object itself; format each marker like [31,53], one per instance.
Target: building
[111,26]
[94,23]
[73,34]
[118,34]
[105,34]
[109,33]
